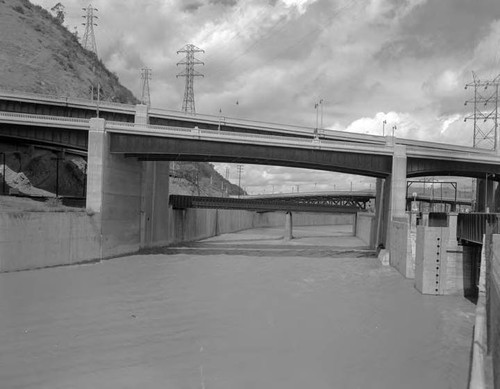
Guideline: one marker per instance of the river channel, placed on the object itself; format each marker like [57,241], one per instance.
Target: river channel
[238,311]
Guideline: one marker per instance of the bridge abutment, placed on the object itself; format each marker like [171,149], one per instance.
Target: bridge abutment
[129,196]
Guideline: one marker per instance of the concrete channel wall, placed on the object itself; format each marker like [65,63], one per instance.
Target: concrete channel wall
[30,240]
[40,239]
[194,224]
[365,228]
[493,309]
[401,257]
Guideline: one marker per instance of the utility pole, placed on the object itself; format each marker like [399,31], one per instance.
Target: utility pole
[485,114]
[188,105]
[240,169]
[145,96]
[88,40]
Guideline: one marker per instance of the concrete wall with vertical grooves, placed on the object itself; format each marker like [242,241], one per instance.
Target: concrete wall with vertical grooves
[30,240]
[40,239]
[400,248]
[493,309]
[365,228]
[194,224]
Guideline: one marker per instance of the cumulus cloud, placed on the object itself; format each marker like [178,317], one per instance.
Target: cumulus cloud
[403,61]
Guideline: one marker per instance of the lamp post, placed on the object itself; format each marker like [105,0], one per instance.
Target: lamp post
[317,107]
[394,128]
[383,127]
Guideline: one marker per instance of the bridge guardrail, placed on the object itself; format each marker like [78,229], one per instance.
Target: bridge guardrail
[225,136]
[65,99]
[232,137]
[331,135]
[42,119]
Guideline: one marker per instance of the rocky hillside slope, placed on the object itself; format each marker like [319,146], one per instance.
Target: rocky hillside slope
[39,55]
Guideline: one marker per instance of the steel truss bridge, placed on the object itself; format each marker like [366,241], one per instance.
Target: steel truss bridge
[263,205]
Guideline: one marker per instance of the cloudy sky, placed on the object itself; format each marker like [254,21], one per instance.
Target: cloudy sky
[403,61]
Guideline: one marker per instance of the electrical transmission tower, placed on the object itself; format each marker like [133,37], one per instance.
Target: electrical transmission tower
[190,74]
[145,76]
[88,40]
[239,168]
[485,114]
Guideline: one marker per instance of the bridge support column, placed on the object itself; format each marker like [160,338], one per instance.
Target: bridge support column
[487,192]
[399,230]
[380,211]
[154,203]
[288,226]
[130,197]
[398,182]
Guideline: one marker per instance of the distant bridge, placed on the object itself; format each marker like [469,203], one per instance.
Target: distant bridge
[259,205]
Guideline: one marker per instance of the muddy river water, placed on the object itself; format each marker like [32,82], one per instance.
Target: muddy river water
[238,311]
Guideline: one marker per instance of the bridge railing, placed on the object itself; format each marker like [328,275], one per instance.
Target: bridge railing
[64,99]
[472,226]
[42,119]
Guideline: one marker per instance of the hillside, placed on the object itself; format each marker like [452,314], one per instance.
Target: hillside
[39,55]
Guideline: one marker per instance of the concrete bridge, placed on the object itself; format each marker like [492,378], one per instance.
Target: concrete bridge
[128,154]
[129,149]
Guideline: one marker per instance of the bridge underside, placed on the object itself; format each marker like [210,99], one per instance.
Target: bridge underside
[161,148]
[48,136]
[421,167]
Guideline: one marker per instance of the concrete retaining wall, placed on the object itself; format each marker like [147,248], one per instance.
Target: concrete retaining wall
[493,309]
[195,224]
[32,240]
[365,228]
[40,239]
[401,257]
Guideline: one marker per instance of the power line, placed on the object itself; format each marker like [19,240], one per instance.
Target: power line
[188,102]
[88,40]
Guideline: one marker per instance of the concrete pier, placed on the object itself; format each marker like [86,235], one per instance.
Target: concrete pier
[288,226]
[129,196]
